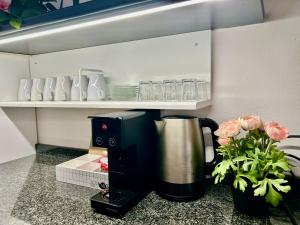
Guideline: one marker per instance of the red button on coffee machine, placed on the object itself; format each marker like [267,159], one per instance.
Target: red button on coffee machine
[104,127]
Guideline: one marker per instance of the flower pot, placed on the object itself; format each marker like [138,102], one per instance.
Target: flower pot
[246,202]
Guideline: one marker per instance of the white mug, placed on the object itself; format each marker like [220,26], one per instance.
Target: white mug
[80,85]
[24,90]
[97,88]
[49,89]
[63,88]
[37,89]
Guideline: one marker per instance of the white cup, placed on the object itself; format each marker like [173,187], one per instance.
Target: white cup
[63,88]
[24,90]
[37,89]
[97,88]
[79,86]
[49,89]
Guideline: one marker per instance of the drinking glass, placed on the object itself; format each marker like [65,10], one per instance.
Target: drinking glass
[157,91]
[145,89]
[170,92]
[179,90]
[201,89]
[189,90]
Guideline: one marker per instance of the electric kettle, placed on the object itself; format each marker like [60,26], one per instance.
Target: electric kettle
[181,166]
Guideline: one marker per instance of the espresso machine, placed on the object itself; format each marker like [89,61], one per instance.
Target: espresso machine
[130,140]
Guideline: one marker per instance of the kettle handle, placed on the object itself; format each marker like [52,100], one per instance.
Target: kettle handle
[213,126]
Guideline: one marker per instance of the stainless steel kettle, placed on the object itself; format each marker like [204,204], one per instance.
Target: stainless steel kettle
[181,166]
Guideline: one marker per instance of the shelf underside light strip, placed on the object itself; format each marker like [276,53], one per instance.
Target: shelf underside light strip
[36,34]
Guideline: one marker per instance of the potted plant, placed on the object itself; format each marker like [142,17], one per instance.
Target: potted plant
[253,162]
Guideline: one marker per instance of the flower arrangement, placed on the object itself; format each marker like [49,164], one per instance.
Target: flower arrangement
[249,151]
[15,11]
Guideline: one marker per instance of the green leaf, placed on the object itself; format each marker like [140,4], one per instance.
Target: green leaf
[277,174]
[246,165]
[254,164]
[249,177]
[217,179]
[268,164]
[222,168]
[273,196]
[16,23]
[249,145]
[3,16]
[250,153]
[240,183]
[283,164]
[262,188]
[257,151]
[278,185]
[240,159]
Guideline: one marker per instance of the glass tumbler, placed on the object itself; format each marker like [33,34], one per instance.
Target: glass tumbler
[145,89]
[179,90]
[170,91]
[157,91]
[201,89]
[189,90]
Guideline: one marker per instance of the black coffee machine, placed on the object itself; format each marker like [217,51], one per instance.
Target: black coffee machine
[130,139]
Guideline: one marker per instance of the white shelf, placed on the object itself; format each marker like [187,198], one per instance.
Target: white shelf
[189,105]
[134,23]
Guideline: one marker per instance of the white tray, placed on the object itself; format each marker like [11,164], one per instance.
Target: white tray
[83,171]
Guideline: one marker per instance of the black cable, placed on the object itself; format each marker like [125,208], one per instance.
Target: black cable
[293,156]
[294,136]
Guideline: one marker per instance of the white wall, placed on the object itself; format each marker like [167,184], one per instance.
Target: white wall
[17,126]
[256,68]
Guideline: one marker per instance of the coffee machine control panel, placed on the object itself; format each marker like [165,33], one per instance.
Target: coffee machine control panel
[106,133]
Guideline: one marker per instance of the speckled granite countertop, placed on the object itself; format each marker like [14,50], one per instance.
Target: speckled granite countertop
[29,194]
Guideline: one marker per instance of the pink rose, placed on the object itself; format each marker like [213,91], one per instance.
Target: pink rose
[223,140]
[4,4]
[228,129]
[276,132]
[250,122]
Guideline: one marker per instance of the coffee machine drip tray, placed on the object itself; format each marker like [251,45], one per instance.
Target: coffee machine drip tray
[116,202]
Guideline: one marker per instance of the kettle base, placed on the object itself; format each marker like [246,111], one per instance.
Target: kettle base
[180,192]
